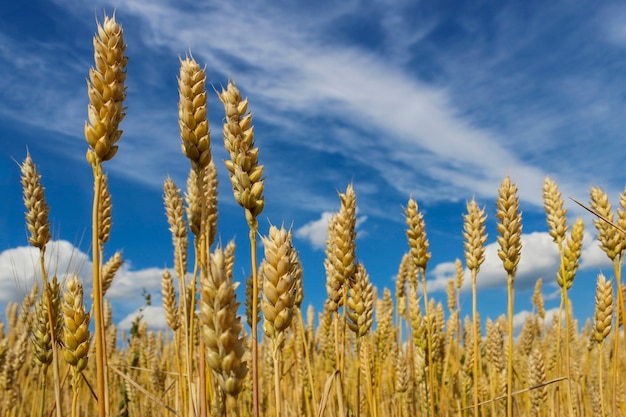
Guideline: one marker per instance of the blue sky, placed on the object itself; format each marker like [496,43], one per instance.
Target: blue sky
[438,100]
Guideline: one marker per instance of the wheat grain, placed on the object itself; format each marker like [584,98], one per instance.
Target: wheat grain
[360,303]
[279,287]
[510,246]
[175,212]
[603,315]
[571,255]
[401,281]
[210,199]
[509,227]
[109,270]
[245,172]
[106,92]
[537,376]
[555,213]
[341,248]
[76,339]
[475,235]
[104,215]
[168,292]
[538,299]
[221,328]
[36,206]
[42,340]
[416,235]
[192,114]
[608,236]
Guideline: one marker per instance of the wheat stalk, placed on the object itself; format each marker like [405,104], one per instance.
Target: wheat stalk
[510,232]
[611,242]
[418,244]
[76,334]
[246,178]
[106,92]
[221,327]
[602,320]
[39,228]
[278,274]
[360,310]
[475,238]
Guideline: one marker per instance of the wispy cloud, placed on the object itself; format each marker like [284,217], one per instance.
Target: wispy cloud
[419,136]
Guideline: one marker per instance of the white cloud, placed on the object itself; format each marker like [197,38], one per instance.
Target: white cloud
[154,316]
[520,317]
[315,231]
[19,270]
[128,285]
[539,259]
[592,255]
[20,267]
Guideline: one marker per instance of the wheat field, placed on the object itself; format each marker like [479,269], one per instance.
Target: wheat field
[369,352]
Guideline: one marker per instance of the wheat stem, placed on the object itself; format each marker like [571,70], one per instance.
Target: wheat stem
[97,296]
[255,315]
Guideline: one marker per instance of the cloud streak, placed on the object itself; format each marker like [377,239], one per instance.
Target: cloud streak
[419,136]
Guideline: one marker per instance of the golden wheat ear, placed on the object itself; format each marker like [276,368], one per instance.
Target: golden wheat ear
[221,327]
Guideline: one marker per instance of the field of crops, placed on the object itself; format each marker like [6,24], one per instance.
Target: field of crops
[369,352]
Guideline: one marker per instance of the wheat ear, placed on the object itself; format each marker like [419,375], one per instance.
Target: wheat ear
[537,378]
[475,238]
[360,310]
[510,232]
[278,274]
[174,211]
[246,177]
[107,91]
[613,245]
[39,228]
[196,146]
[418,244]
[221,328]
[568,250]
[76,334]
[602,321]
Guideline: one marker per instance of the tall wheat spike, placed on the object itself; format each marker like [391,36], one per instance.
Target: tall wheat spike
[602,321]
[418,244]
[77,338]
[510,232]
[475,238]
[196,146]
[221,327]
[246,177]
[107,91]
[613,245]
[360,310]
[278,272]
[39,228]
